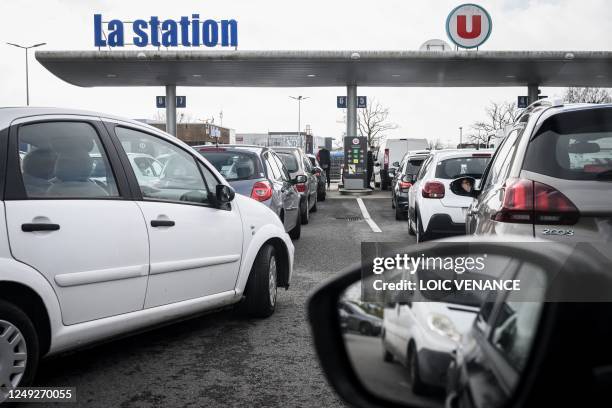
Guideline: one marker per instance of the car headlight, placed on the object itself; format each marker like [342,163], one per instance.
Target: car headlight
[442,325]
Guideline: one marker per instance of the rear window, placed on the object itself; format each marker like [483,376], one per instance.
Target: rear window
[461,167]
[573,146]
[234,165]
[289,161]
[413,166]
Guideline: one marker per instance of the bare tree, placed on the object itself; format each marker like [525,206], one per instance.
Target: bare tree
[479,138]
[587,95]
[499,115]
[373,122]
[435,144]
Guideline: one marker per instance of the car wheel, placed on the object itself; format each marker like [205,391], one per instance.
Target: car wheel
[365,328]
[400,215]
[387,356]
[392,202]
[314,207]
[305,213]
[261,287]
[19,348]
[420,234]
[410,229]
[323,196]
[296,231]
[418,387]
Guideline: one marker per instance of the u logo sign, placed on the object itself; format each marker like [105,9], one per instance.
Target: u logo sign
[462,27]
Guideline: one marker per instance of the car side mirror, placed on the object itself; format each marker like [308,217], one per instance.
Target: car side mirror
[464,186]
[396,164]
[531,328]
[224,194]
[300,178]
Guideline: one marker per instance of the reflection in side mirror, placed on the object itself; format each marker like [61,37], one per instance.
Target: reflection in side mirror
[396,164]
[420,355]
[299,179]
[464,186]
[224,194]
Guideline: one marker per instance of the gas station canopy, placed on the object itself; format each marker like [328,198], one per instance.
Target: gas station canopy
[330,68]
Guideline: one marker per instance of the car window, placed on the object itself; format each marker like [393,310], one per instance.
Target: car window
[290,161]
[147,166]
[498,160]
[424,168]
[64,160]
[281,167]
[573,146]
[461,166]
[412,167]
[233,164]
[307,165]
[273,170]
[180,179]
[517,320]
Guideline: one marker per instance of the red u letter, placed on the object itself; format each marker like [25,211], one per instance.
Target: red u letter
[462,27]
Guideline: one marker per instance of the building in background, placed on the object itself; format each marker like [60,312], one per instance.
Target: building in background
[198,133]
[310,143]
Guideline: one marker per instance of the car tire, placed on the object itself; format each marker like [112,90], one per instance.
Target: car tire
[261,289]
[365,329]
[323,196]
[305,216]
[392,202]
[416,383]
[314,207]
[18,339]
[387,356]
[296,231]
[400,215]
[421,236]
[410,229]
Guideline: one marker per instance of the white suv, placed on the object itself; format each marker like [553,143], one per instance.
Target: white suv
[89,255]
[433,207]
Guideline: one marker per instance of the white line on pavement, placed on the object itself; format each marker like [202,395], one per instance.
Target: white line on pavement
[366,216]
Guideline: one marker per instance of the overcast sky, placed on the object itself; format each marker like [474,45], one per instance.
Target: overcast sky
[434,113]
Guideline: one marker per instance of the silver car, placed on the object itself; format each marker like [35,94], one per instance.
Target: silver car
[257,172]
[551,177]
[299,165]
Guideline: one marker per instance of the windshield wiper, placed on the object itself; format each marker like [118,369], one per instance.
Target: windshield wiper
[604,175]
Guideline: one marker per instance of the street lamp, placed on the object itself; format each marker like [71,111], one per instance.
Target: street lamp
[460,136]
[26,61]
[300,99]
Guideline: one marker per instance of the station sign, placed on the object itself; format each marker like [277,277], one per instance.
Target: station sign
[468,25]
[355,161]
[522,102]
[362,102]
[186,32]
[181,101]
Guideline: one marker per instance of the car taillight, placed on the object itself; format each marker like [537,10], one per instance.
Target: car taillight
[404,185]
[531,202]
[433,189]
[262,190]
[386,159]
[300,187]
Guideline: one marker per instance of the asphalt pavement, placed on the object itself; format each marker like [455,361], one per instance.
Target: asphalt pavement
[226,360]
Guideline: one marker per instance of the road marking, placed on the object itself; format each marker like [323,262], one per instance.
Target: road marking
[366,216]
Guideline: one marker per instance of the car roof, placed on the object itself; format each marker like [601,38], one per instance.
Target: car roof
[249,148]
[448,154]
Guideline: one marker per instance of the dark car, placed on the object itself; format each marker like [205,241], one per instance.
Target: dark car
[354,318]
[298,164]
[403,180]
[257,172]
[321,178]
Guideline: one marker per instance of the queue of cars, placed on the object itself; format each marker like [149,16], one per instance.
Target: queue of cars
[132,228]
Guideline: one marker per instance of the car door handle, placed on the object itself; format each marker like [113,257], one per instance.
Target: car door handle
[162,223]
[37,226]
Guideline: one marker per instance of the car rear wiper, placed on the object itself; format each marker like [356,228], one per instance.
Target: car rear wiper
[604,175]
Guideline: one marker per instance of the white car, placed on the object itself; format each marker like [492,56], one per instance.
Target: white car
[84,259]
[434,209]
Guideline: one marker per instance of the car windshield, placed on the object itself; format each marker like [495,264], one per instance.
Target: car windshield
[573,146]
[233,165]
[289,161]
[413,166]
[461,166]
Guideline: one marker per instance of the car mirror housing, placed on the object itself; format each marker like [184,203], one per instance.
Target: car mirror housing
[560,316]
[224,194]
[464,186]
[300,178]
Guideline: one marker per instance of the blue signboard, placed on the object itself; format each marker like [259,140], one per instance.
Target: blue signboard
[522,102]
[362,101]
[181,101]
[186,32]
[341,102]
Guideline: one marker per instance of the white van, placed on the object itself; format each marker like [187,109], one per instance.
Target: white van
[390,154]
